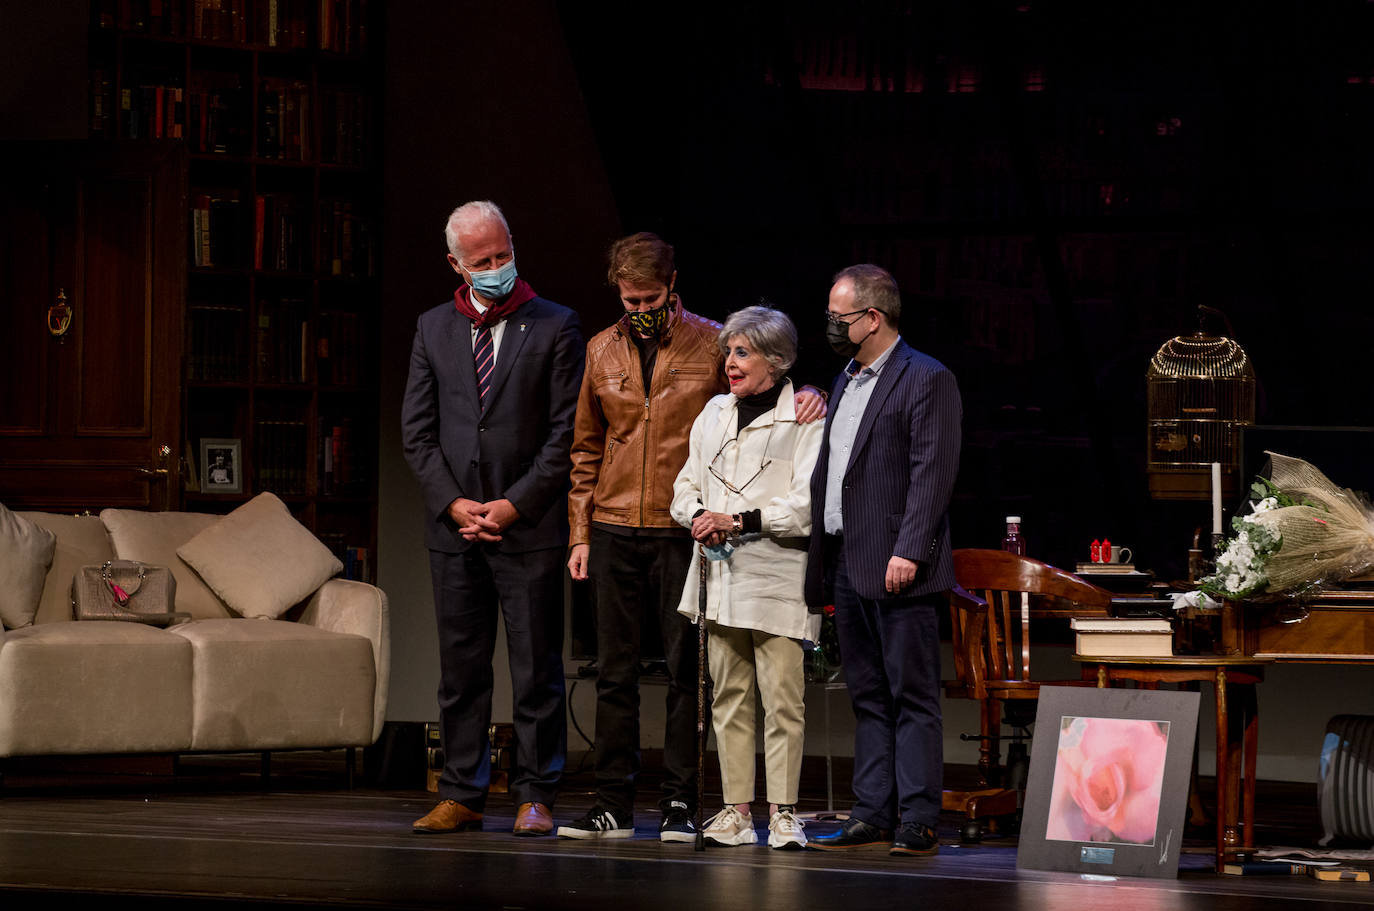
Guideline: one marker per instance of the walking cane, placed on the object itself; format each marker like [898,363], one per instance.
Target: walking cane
[701,697]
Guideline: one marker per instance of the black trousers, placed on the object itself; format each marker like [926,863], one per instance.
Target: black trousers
[891,650]
[528,587]
[632,574]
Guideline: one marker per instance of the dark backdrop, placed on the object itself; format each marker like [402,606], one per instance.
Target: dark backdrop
[1056,186]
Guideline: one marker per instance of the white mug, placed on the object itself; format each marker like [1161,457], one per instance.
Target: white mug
[1120,555]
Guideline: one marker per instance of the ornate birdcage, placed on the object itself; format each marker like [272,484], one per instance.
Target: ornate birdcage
[1201,391]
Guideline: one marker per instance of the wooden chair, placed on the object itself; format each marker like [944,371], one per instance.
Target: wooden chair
[990,615]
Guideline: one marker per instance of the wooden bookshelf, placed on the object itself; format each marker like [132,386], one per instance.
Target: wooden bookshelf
[278,103]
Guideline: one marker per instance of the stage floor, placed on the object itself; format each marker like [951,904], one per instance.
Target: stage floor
[217,840]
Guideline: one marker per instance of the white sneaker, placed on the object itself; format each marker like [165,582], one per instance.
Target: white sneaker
[785,831]
[730,827]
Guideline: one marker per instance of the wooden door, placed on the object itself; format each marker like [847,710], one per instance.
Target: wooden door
[84,415]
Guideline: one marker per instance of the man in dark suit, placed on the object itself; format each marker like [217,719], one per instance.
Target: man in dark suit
[880,553]
[487,425]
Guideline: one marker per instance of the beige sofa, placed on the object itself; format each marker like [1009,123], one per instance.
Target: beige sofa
[220,682]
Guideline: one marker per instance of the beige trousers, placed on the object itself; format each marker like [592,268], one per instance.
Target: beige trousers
[744,662]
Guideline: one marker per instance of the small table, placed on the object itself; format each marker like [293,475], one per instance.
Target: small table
[1233,679]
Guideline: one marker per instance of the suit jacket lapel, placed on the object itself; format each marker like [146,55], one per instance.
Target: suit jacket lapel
[460,343]
[886,382]
[518,328]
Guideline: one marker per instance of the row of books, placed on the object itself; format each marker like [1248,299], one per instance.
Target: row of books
[219,343]
[346,242]
[215,229]
[166,18]
[281,232]
[342,24]
[284,130]
[282,340]
[344,127]
[340,470]
[354,558]
[281,456]
[209,115]
[338,349]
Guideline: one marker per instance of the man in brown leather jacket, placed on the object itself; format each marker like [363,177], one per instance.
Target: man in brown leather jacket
[647,378]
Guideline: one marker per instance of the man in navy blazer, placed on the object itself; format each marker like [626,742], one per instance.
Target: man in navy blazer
[880,553]
[487,425]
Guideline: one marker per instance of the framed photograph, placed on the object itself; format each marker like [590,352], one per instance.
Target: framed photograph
[1108,783]
[221,468]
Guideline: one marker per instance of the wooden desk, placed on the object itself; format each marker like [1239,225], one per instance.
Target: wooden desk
[1336,628]
[1233,680]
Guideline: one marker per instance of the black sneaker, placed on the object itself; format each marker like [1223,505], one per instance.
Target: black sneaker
[915,839]
[598,823]
[677,824]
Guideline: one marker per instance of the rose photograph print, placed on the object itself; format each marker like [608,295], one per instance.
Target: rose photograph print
[1107,787]
[1108,777]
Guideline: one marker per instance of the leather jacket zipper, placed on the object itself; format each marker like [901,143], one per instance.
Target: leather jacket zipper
[644,468]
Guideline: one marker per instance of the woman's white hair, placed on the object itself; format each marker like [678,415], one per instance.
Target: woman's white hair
[768,331]
[468,215]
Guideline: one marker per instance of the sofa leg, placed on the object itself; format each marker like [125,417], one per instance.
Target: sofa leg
[351,764]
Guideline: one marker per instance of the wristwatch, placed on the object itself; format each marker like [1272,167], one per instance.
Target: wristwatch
[736,525]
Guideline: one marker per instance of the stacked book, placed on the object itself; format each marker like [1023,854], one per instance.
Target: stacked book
[1114,569]
[1123,637]
[1331,871]
[434,755]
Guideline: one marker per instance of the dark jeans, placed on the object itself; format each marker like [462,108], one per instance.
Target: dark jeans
[629,575]
[891,650]
[529,589]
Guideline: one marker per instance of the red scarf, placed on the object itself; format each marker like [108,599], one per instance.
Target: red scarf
[462,299]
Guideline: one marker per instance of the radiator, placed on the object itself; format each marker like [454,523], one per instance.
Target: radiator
[1345,779]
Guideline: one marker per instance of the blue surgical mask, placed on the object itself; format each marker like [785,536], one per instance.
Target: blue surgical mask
[494,284]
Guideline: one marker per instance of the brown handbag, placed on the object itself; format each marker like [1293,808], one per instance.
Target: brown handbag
[125,590]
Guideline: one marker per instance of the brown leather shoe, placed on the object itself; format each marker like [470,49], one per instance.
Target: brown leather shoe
[533,819]
[448,816]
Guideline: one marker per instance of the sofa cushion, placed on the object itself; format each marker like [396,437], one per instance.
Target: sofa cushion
[26,553]
[81,541]
[153,537]
[259,559]
[275,685]
[95,686]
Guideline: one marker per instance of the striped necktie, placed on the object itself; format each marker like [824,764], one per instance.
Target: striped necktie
[483,354]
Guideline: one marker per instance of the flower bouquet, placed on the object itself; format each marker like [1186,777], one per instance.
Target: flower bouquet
[1303,533]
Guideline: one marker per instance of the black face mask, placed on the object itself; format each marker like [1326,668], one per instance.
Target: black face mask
[837,334]
[838,337]
[649,323]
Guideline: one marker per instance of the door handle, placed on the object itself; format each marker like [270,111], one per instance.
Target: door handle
[164,452]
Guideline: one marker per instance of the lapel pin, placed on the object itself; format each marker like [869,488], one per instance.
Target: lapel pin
[522,327]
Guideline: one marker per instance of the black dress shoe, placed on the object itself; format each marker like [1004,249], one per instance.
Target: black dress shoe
[915,839]
[854,833]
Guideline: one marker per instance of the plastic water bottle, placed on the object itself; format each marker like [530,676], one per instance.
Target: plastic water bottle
[1013,543]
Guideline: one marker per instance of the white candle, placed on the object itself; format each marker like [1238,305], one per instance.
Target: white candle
[1216,498]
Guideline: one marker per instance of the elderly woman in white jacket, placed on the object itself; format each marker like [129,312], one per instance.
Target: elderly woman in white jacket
[745,494]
